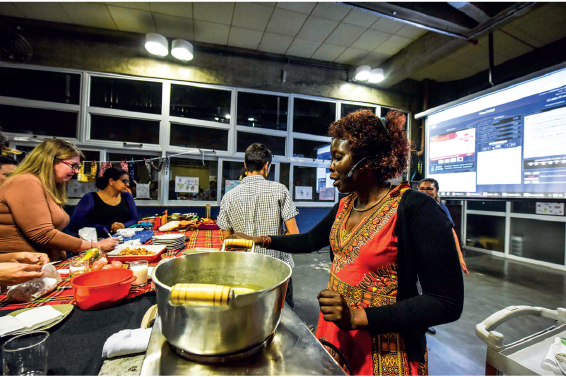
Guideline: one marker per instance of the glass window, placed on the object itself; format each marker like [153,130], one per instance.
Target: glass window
[124,129]
[312,184]
[485,232]
[40,85]
[348,108]
[200,103]
[198,137]
[145,182]
[76,188]
[526,236]
[313,117]
[488,205]
[122,94]
[234,171]
[263,111]
[284,171]
[26,120]
[275,144]
[196,182]
[310,148]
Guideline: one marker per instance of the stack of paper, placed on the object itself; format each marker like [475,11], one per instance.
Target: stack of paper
[29,320]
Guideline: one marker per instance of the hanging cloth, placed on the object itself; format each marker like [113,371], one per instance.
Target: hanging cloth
[124,165]
[132,171]
[81,177]
[104,166]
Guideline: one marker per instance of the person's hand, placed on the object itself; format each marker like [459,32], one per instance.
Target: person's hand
[464,267]
[116,226]
[242,236]
[30,258]
[107,243]
[335,309]
[17,273]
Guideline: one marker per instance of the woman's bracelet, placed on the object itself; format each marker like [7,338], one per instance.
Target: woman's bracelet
[266,241]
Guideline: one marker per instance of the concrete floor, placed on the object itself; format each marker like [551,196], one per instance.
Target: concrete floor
[493,284]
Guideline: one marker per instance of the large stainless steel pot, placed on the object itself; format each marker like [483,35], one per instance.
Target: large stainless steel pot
[246,321]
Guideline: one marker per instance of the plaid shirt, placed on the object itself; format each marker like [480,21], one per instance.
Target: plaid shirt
[258,207]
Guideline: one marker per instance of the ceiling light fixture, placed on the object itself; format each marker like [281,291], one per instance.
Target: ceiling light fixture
[182,50]
[156,44]
[362,73]
[376,76]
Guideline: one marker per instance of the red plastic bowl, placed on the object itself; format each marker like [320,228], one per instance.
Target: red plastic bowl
[101,289]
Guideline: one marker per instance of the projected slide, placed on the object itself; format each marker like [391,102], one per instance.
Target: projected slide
[510,143]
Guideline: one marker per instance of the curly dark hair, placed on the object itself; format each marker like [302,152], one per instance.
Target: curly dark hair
[367,136]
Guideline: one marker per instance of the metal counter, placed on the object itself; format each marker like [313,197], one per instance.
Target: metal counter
[294,350]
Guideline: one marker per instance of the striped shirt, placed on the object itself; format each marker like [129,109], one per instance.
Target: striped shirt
[258,207]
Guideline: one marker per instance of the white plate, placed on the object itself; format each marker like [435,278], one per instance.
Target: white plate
[116,252]
[168,237]
[180,240]
[169,225]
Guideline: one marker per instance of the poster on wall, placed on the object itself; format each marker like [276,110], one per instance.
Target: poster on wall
[230,184]
[303,193]
[186,184]
[326,193]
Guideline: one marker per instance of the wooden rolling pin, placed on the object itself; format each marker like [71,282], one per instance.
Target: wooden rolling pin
[232,242]
[201,294]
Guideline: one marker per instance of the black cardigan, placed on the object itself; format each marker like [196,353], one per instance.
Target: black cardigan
[426,251]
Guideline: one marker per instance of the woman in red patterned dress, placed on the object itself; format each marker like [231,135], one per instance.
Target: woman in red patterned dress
[383,240]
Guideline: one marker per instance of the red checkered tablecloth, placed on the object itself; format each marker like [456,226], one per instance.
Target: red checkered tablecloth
[63,293]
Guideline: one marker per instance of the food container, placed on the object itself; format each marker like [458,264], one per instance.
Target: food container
[231,321]
[101,289]
[157,249]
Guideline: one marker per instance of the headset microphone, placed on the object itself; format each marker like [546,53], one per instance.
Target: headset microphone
[351,172]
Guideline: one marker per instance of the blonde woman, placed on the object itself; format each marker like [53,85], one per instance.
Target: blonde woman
[32,199]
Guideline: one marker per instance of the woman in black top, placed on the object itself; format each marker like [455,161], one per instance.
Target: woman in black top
[111,208]
[383,240]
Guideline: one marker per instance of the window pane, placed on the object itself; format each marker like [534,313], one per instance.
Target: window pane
[198,137]
[26,120]
[232,171]
[200,103]
[145,184]
[275,144]
[309,148]
[526,236]
[263,111]
[348,108]
[284,171]
[76,189]
[485,232]
[311,184]
[130,95]
[206,174]
[313,117]
[25,150]
[488,205]
[40,85]
[124,129]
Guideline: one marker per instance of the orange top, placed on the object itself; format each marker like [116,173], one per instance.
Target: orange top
[30,220]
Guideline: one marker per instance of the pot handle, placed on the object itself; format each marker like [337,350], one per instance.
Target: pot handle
[129,281]
[201,295]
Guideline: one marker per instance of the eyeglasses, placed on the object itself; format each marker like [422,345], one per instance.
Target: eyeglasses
[72,166]
[125,181]
[427,188]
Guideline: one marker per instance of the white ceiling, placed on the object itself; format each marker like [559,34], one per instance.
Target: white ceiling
[323,31]
[533,30]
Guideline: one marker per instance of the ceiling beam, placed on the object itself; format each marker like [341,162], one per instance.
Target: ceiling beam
[426,50]
[470,10]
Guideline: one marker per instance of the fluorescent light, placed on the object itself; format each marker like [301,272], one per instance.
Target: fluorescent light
[182,50]
[156,44]
[376,75]
[227,116]
[216,118]
[251,119]
[363,73]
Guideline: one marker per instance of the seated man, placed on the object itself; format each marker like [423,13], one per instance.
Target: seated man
[257,207]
